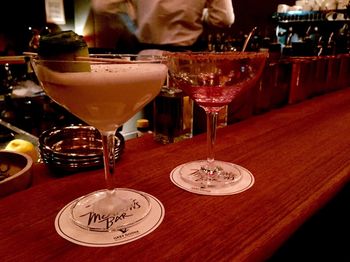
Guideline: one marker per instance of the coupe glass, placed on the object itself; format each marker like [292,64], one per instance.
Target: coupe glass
[105,91]
[213,80]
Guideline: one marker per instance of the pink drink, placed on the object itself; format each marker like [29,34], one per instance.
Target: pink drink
[214,80]
[215,96]
[211,96]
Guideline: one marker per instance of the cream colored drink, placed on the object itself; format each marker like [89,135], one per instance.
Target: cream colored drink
[107,96]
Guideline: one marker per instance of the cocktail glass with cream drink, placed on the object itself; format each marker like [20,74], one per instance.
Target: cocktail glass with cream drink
[105,91]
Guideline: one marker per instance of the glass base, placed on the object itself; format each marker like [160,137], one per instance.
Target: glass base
[110,210]
[219,174]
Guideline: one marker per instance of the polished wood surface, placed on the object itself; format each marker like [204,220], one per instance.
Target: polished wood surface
[299,156]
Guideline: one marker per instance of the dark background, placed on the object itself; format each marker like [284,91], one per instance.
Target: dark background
[250,13]
[17,15]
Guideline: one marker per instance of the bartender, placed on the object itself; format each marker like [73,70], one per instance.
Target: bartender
[178,25]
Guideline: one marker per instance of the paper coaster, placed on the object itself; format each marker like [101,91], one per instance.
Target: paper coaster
[243,184]
[73,233]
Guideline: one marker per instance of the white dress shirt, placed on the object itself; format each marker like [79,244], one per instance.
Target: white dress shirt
[180,22]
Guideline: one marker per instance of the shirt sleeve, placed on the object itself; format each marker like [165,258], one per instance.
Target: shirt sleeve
[107,6]
[219,13]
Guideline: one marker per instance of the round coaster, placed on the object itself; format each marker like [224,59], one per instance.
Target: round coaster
[73,233]
[243,184]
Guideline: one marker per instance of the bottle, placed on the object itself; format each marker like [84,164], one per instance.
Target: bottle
[9,112]
[142,126]
[29,74]
[173,114]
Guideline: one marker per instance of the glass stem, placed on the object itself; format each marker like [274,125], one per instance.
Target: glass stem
[212,118]
[108,141]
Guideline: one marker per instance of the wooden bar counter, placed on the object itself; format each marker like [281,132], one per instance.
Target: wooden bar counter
[299,156]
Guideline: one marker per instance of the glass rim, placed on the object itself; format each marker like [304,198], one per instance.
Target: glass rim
[222,55]
[104,58]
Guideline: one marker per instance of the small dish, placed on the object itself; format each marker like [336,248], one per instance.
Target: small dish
[75,148]
[15,172]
